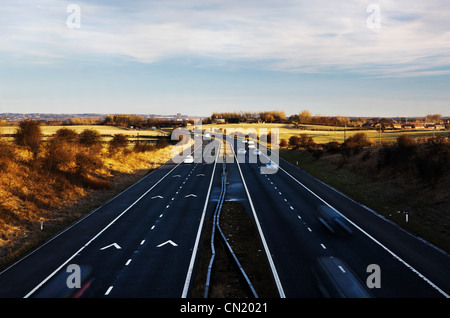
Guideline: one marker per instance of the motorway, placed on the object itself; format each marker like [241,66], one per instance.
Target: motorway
[139,244]
[285,203]
[143,242]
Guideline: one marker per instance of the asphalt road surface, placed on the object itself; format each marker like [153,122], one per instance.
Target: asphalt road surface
[285,203]
[143,242]
[139,244]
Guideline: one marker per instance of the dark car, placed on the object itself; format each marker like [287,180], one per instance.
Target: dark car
[333,221]
[335,279]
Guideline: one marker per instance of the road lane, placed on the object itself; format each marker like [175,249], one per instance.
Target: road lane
[158,266]
[127,222]
[296,239]
[25,274]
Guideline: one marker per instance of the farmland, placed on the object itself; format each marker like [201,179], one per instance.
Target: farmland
[322,134]
[105,131]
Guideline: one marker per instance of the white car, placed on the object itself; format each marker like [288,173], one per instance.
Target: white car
[242,151]
[188,159]
[251,142]
[271,165]
[251,147]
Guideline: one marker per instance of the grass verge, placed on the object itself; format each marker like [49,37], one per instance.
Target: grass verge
[427,212]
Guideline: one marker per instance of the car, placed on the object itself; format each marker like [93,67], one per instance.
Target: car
[333,221]
[271,165]
[251,147]
[64,285]
[188,159]
[251,142]
[242,151]
[256,152]
[335,279]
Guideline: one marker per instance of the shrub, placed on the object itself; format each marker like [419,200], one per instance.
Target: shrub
[59,155]
[29,135]
[404,141]
[302,141]
[66,134]
[143,147]
[89,137]
[353,144]
[161,143]
[117,143]
[332,147]
[406,148]
[87,161]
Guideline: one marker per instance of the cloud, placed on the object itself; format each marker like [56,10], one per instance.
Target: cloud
[290,36]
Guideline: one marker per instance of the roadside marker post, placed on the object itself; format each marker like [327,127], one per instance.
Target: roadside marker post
[42,224]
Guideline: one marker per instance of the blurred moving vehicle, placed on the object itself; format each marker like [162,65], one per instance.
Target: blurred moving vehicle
[188,159]
[333,221]
[60,285]
[271,165]
[242,151]
[335,279]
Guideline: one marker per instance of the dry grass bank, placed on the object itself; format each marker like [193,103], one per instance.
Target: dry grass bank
[29,191]
[392,180]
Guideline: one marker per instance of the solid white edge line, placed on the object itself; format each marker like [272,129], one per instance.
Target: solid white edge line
[266,247]
[372,238]
[97,235]
[199,232]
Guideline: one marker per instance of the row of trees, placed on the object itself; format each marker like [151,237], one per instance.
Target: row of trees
[306,117]
[68,150]
[138,121]
[429,159]
[274,116]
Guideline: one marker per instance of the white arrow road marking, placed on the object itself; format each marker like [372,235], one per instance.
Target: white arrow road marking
[113,244]
[190,195]
[169,241]
[176,176]
[200,175]
[156,197]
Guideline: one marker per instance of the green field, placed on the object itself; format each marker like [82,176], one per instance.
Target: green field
[324,134]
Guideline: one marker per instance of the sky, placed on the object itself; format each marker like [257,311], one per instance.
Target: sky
[372,58]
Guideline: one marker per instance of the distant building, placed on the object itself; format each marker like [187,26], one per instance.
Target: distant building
[418,126]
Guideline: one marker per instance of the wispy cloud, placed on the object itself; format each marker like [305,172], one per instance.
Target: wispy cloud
[292,36]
